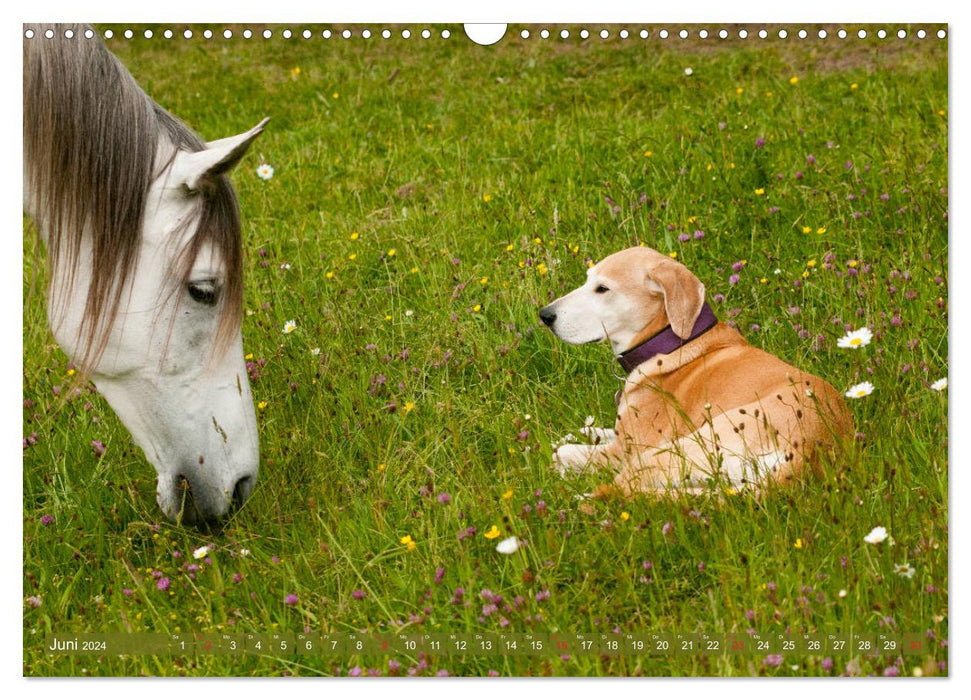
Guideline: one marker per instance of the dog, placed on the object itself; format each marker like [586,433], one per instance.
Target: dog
[700,406]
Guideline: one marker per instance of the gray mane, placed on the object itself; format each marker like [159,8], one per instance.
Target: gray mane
[93,144]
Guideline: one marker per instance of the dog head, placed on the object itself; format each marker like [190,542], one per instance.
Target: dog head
[628,297]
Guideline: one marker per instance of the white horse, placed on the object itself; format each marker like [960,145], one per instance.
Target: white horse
[143,236]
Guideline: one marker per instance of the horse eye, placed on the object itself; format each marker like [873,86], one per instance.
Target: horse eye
[204,292]
[601,289]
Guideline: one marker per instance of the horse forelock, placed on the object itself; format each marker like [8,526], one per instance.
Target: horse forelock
[93,144]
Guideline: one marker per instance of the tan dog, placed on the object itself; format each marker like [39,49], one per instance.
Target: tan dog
[700,405]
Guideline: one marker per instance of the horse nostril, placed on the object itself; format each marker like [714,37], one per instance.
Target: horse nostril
[547,316]
[242,491]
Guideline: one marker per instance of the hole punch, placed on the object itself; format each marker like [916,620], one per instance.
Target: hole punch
[489,34]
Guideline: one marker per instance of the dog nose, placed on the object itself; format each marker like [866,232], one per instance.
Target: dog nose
[547,316]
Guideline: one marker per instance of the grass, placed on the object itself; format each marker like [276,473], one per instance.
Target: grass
[428,198]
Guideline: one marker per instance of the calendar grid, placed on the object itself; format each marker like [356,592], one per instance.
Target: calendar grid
[347,644]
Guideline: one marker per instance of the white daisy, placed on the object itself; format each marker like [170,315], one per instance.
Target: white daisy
[858,391]
[265,171]
[285,266]
[904,570]
[409,313]
[508,546]
[589,421]
[876,535]
[200,553]
[856,339]
[244,552]
[289,327]
[315,351]
[842,593]
[688,71]
[940,384]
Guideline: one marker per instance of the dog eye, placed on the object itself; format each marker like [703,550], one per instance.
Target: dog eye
[205,292]
[601,289]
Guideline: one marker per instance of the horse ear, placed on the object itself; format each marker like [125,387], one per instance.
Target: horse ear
[217,158]
[684,294]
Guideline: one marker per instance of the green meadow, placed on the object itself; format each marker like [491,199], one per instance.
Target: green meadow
[428,197]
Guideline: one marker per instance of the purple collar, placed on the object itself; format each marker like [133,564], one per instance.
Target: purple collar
[666,341]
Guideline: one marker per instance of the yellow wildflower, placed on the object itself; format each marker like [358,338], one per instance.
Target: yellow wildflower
[625,516]
[355,236]
[854,86]
[648,154]
[541,269]
[811,263]
[487,197]
[798,543]
[507,495]
[511,246]
[409,406]
[408,542]
[492,533]
[262,404]
[392,253]
[739,90]
[477,308]
[807,229]
[760,191]
[821,230]
[793,80]
[673,254]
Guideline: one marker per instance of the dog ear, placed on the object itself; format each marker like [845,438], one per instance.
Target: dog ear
[684,294]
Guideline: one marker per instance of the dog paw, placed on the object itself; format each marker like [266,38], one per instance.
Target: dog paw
[599,436]
[570,458]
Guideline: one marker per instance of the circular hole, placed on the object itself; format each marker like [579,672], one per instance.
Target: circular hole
[803,34]
[446,34]
[227,34]
[703,33]
[584,34]
[425,33]
[921,34]
[386,34]
[763,34]
[941,34]
[326,34]
[604,33]
[683,34]
[88,34]
[861,33]
[307,34]
[267,33]
[69,33]
[524,34]
[841,33]
[902,34]
[663,33]
[346,33]
[545,34]
[108,34]
[645,33]
[287,34]
[783,33]
[168,33]
[207,34]
[564,33]
[148,34]
[29,34]
[187,33]
[367,34]
[821,33]
[723,34]
[882,34]
[129,33]
[406,33]
[742,33]
[624,33]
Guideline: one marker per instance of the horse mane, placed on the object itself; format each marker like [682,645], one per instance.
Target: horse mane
[93,144]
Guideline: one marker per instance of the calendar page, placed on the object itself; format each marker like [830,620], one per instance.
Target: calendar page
[558,350]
